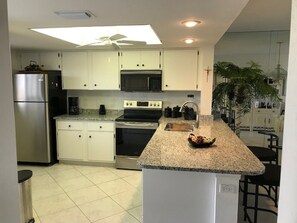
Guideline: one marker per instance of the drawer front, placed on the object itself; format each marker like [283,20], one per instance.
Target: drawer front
[100,126]
[70,125]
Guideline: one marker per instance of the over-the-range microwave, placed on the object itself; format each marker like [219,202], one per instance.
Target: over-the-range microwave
[141,80]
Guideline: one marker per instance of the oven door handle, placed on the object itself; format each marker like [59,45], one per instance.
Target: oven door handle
[137,125]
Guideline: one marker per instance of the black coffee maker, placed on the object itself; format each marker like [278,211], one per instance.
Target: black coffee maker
[73,106]
[102,110]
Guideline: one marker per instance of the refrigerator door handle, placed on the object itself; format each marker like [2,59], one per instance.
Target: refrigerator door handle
[45,87]
[47,124]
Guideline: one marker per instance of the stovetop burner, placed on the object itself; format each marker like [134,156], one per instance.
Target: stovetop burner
[131,119]
[141,111]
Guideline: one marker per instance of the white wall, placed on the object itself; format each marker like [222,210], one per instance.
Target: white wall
[288,192]
[260,47]
[114,99]
[9,201]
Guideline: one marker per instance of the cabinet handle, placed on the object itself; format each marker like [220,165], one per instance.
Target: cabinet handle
[69,126]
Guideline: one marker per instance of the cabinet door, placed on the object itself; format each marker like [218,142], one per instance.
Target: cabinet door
[27,57]
[259,119]
[75,70]
[272,118]
[50,60]
[150,59]
[70,144]
[130,60]
[145,60]
[180,70]
[100,146]
[105,71]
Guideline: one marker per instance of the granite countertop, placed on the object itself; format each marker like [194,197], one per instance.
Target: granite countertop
[170,150]
[92,115]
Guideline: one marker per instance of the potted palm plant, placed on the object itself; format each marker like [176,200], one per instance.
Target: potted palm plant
[241,87]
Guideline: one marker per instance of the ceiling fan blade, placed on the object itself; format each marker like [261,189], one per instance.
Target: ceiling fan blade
[117,36]
[88,44]
[133,42]
[116,46]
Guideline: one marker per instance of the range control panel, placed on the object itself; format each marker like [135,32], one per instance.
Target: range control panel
[143,104]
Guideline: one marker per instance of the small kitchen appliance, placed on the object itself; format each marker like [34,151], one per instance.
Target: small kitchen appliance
[102,110]
[73,106]
[134,129]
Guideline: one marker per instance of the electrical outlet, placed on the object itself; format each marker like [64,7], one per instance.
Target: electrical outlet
[227,188]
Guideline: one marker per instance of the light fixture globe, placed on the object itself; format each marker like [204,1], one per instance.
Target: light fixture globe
[278,73]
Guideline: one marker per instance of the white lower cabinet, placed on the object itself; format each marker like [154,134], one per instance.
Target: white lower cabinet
[100,142]
[92,141]
[265,119]
[70,144]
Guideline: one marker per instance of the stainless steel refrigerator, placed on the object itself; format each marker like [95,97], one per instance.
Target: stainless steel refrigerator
[38,97]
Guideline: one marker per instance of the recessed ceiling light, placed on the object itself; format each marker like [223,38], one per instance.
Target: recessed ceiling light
[191,23]
[189,41]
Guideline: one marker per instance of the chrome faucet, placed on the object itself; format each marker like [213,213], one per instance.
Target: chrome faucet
[196,125]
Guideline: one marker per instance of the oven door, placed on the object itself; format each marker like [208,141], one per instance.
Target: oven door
[131,139]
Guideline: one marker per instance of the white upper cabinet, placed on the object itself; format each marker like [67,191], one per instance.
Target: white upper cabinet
[75,72]
[144,60]
[50,60]
[104,70]
[180,70]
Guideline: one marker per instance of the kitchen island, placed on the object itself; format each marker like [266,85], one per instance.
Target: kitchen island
[186,184]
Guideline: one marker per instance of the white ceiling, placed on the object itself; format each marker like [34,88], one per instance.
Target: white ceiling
[164,16]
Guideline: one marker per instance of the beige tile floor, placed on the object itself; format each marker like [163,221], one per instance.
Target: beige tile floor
[82,194]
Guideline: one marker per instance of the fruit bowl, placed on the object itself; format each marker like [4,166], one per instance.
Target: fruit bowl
[200,141]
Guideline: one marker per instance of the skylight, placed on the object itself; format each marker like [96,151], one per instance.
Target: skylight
[97,34]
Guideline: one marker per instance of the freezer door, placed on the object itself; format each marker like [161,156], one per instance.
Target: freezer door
[30,87]
[32,132]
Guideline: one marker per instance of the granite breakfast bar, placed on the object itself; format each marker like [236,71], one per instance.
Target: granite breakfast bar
[186,184]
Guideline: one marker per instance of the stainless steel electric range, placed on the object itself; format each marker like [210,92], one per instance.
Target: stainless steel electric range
[134,129]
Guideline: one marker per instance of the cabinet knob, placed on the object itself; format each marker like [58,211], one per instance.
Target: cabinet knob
[90,136]
[100,127]
[137,65]
[143,65]
[95,85]
[79,136]
[166,85]
[85,85]
[69,126]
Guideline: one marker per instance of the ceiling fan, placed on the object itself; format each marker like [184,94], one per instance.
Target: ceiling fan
[114,40]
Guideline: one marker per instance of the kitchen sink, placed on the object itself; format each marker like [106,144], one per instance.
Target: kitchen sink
[181,127]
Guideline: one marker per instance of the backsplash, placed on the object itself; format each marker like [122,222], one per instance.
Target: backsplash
[114,99]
